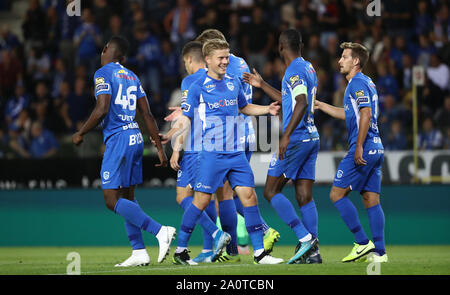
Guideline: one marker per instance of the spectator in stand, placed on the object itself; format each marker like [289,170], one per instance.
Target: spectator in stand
[386,82]
[148,59]
[327,141]
[438,82]
[447,139]
[115,27]
[18,143]
[34,29]
[103,13]
[423,20]
[170,61]
[430,138]
[43,144]
[258,40]
[441,27]
[395,139]
[67,26]
[179,24]
[8,40]
[16,104]
[62,107]
[10,72]
[87,39]
[442,117]
[38,64]
[425,50]
[78,104]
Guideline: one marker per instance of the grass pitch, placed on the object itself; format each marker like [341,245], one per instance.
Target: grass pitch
[403,260]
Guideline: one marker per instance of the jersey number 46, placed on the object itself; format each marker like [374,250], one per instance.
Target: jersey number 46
[128,100]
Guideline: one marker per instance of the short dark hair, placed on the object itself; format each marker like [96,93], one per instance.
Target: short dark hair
[358,51]
[193,48]
[292,39]
[122,45]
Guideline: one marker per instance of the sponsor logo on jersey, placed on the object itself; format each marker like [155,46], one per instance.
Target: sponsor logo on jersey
[294,79]
[185,107]
[184,94]
[359,93]
[223,103]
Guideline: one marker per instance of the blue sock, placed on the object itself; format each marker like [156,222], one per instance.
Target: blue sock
[228,220]
[286,211]
[376,220]
[350,216]
[132,213]
[240,210]
[190,218]
[186,202]
[253,223]
[310,218]
[211,211]
[134,234]
[239,206]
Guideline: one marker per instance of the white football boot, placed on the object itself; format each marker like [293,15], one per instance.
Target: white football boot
[138,258]
[165,236]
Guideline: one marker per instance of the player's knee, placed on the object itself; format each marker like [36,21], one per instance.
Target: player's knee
[269,193]
[110,203]
[303,198]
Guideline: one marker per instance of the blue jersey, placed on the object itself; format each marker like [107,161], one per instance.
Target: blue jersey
[361,92]
[196,132]
[237,67]
[299,72]
[217,104]
[125,89]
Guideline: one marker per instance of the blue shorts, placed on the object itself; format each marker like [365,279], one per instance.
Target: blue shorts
[300,161]
[122,161]
[361,178]
[188,167]
[214,168]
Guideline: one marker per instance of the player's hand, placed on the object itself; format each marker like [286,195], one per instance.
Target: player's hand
[284,143]
[162,159]
[163,138]
[274,108]
[176,113]
[317,104]
[77,138]
[174,160]
[358,156]
[254,79]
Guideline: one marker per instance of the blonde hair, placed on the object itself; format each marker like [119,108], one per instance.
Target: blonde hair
[214,44]
[358,51]
[210,34]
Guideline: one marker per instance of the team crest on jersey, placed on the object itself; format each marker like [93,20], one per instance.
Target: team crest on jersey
[99,80]
[230,86]
[106,175]
[339,173]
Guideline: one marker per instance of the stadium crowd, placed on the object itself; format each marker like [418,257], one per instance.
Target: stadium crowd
[46,87]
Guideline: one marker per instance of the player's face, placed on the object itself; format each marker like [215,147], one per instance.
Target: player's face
[346,62]
[218,61]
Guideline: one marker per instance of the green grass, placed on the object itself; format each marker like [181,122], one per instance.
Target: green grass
[403,260]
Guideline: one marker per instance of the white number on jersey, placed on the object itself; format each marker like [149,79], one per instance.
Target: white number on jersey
[128,100]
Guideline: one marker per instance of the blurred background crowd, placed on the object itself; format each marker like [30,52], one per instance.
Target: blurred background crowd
[46,69]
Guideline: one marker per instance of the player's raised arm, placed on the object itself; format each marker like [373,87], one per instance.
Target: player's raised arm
[100,111]
[256,80]
[335,112]
[144,109]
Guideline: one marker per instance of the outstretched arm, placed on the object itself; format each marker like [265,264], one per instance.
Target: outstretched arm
[256,80]
[100,111]
[258,110]
[335,112]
